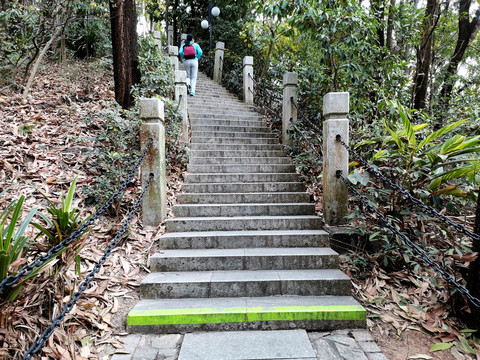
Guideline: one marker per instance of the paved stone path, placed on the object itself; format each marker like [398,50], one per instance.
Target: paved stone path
[356,344]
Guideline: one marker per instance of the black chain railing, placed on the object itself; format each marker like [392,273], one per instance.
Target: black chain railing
[302,115]
[302,134]
[42,260]
[89,278]
[307,140]
[406,194]
[414,247]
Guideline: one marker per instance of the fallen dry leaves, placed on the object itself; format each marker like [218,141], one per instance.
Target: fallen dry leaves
[44,144]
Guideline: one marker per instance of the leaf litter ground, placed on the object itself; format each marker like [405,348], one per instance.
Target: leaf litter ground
[45,144]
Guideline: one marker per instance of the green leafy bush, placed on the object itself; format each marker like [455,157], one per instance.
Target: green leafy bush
[13,242]
[65,218]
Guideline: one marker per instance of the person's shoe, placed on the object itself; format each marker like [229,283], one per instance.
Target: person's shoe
[192,93]
[189,88]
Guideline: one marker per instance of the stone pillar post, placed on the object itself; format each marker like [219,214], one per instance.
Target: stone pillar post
[183,37]
[158,39]
[335,157]
[170,35]
[173,56]
[248,80]
[218,67]
[154,205]
[181,90]
[289,111]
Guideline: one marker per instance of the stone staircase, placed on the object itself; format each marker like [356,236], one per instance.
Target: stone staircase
[245,249]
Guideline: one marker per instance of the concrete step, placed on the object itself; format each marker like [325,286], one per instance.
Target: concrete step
[240,283]
[234,140]
[231,134]
[228,129]
[222,115]
[219,210]
[208,106]
[240,178]
[236,153]
[227,122]
[245,239]
[244,259]
[246,198]
[195,160]
[314,313]
[235,147]
[207,223]
[244,187]
[239,168]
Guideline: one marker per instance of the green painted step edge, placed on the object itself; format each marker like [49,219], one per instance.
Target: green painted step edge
[242,314]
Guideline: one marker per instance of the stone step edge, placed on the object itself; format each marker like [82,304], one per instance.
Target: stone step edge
[240,314]
[244,233]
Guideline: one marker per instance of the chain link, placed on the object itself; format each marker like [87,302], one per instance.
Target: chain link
[307,140]
[427,209]
[42,260]
[416,249]
[84,285]
[302,116]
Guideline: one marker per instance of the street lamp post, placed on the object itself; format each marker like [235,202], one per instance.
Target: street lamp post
[208,24]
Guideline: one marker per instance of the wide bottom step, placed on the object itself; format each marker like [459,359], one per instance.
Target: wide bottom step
[258,313]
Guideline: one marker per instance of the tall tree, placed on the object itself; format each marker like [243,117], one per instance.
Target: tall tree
[424,56]
[125,49]
[467,30]
[390,21]
[378,7]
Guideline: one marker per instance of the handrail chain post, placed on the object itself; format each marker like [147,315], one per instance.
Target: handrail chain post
[170,35]
[335,157]
[218,67]
[154,204]
[248,80]
[158,39]
[289,110]
[173,56]
[181,95]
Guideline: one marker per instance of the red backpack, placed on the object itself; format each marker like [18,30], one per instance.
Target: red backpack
[189,52]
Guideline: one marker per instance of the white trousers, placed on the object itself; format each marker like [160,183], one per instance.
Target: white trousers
[191,67]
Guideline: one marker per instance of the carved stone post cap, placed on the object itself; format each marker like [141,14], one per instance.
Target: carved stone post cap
[151,109]
[183,37]
[170,28]
[336,103]
[220,45]
[248,60]
[290,78]
[180,77]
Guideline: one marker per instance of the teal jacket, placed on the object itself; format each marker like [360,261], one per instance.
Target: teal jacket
[198,51]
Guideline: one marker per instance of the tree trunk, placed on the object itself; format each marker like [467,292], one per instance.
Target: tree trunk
[38,60]
[424,54]
[390,21]
[467,30]
[473,287]
[378,7]
[125,50]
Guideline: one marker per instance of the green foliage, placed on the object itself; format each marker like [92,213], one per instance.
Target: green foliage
[65,218]
[115,153]
[13,242]
[157,72]
[89,32]
[433,160]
